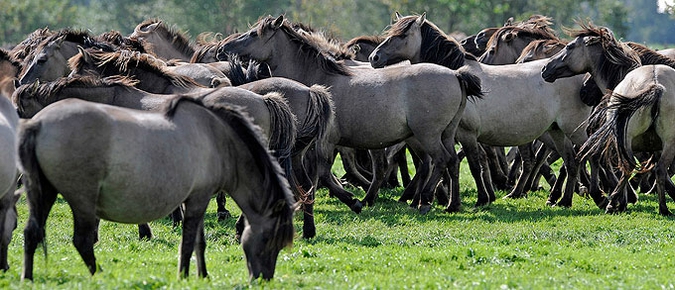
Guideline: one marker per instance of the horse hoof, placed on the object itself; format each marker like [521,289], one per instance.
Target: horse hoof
[223,215]
[453,208]
[357,207]
[482,203]
[550,203]
[512,196]
[368,202]
[308,233]
[424,209]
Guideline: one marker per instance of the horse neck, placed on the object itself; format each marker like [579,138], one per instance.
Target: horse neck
[102,94]
[289,64]
[152,82]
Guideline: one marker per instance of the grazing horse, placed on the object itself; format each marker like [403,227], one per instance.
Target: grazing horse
[132,166]
[374,109]
[555,109]
[9,123]
[638,117]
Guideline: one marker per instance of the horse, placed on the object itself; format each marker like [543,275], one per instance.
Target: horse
[507,43]
[638,117]
[595,50]
[49,60]
[362,46]
[107,171]
[374,109]
[270,111]
[508,89]
[539,49]
[9,124]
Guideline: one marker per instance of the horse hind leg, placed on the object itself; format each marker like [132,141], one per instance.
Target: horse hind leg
[661,172]
[193,223]
[39,208]
[84,236]
[379,166]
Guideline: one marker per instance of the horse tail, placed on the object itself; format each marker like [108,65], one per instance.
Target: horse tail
[277,201]
[470,83]
[320,115]
[283,133]
[33,179]
[611,138]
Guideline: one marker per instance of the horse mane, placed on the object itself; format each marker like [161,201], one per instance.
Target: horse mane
[650,56]
[26,46]
[46,92]
[436,46]
[116,38]
[276,202]
[179,39]
[124,59]
[310,47]
[374,40]
[201,50]
[617,59]
[545,45]
[536,30]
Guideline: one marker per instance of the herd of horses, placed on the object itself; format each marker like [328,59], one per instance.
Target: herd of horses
[133,128]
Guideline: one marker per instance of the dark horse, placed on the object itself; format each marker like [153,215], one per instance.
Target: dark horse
[133,166]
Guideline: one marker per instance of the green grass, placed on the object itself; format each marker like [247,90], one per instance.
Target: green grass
[510,244]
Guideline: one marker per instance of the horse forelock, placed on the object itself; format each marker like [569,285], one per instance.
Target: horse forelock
[311,46]
[373,40]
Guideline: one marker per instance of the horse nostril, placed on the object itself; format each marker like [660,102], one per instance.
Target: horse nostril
[375,58]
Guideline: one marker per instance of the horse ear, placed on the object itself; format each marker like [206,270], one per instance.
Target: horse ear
[85,54]
[278,22]
[398,16]
[509,36]
[420,20]
[590,40]
[151,27]
[509,21]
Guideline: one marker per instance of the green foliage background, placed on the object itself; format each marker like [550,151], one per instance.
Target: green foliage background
[633,20]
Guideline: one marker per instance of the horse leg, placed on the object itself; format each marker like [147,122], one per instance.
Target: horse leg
[498,177]
[144,232]
[40,198]
[569,158]
[221,201]
[379,163]
[480,170]
[661,172]
[594,189]
[350,164]
[193,221]
[527,165]
[541,169]
[515,166]
[324,165]
[84,236]
[402,161]
[307,178]
[200,248]
[8,218]
[239,227]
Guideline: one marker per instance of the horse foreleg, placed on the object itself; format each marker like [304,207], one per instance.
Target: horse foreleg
[614,203]
[494,157]
[200,249]
[350,164]
[480,171]
[324,165]
[8,223]
[144,232]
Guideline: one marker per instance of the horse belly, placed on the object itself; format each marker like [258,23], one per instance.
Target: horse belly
[138,204]
[503,125]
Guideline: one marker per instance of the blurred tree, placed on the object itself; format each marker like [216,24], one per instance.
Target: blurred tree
[19,18]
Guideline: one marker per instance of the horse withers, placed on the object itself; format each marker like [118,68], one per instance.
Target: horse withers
[133,166]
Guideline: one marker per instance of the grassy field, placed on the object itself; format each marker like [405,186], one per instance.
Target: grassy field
[510,244]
